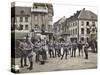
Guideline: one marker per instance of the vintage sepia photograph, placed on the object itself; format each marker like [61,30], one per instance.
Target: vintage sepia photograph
[53,37]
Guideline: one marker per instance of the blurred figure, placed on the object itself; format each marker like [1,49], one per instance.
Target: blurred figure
[50,48]
[96,46]
[29,52]
[37,50]
[57,49]
[86,46]
[80,47]
[23,60]
[65,50]
[69,47]
[74,47]
[44,53]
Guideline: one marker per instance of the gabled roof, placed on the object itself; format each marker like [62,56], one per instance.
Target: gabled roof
[83,14]
[61,20]
[86,14]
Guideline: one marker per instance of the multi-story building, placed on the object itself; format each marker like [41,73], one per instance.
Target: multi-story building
[37,18]
[60,29]
[41,15]
[82,25]
[21,18]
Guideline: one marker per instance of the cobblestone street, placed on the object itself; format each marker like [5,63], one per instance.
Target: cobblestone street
[56,64]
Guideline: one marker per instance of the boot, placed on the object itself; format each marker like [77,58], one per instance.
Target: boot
[25,61]
[21,63]
[31,66]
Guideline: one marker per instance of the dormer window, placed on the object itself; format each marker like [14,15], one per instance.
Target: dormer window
[22,11]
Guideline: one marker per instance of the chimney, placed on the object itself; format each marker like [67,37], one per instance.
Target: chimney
[83,9]
[77,11]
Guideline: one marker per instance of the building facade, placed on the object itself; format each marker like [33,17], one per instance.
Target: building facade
[37,18]
[21,19]
[60,29]
[82,25]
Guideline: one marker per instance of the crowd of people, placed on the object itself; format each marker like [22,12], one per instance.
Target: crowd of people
[49,49]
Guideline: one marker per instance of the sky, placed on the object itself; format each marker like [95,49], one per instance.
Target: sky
[62,9]
[66,10]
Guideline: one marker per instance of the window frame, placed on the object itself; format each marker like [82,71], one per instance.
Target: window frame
[26,27]
[82,31]
[26,19]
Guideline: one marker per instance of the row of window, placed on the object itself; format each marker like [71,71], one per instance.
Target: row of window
[21,19]
[73,31]
[87,30]
[36,17]
[73,24]
[82,24]
[87,23]
[43,27]
[21,27]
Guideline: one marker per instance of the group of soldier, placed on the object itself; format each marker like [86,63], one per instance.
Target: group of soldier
[55,49]
[63,48]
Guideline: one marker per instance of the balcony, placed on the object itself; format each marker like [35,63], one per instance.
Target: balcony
[39,10]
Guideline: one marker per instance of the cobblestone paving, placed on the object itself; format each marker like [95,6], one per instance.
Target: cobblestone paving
[56,64]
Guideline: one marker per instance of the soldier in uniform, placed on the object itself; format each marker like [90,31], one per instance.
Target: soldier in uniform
[80,47]
[23,53]
[57,49]
[70,47]
[29,53]
[86,46]
[65,50]
[74,47]
[50,48]
[44,53]
[37,50]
